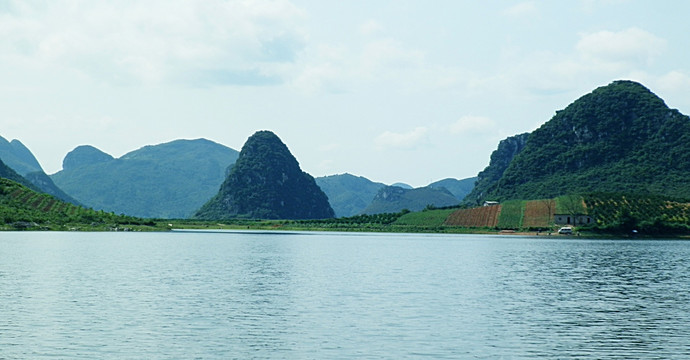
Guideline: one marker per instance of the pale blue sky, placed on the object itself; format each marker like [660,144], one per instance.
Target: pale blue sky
[410,91]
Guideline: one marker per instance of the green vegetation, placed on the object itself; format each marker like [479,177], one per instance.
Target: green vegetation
[652,215]
[511,214]
[429,218]
[266,182]
[570,204]
[170,180]
[619,138]
[24,209]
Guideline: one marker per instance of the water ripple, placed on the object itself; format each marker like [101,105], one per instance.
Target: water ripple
[340,296]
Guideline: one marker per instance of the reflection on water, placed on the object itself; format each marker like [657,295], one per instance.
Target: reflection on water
[314,295]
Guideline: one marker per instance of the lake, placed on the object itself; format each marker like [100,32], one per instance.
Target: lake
[312,295]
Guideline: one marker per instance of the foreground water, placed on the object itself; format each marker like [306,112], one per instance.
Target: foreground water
[340,296]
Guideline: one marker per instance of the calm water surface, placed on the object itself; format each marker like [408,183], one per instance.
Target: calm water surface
[251,295]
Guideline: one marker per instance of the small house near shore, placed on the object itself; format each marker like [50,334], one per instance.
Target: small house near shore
[572,219]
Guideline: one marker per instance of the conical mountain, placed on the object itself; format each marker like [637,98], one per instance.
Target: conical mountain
[618,138]
[266,182]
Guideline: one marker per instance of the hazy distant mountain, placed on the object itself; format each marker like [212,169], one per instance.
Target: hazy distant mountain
[403,185]
[348,195]
[168,180]
[84,155]
[18,157]
[391,199]
[9,173]
[15,155]
[459,188]
[266,182]
[619,138]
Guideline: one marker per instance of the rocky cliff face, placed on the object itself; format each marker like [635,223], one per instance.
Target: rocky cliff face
[500,159]
[266,182]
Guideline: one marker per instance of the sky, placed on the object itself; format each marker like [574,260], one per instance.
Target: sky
[396,91]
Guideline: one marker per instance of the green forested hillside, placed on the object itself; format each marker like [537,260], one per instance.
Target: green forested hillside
[619,138]
[46,185]
[22,208]
[266,182]
[169,180]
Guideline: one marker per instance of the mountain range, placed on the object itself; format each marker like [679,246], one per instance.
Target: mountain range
[161,181]
[619,138]
[352,195]
[170,180]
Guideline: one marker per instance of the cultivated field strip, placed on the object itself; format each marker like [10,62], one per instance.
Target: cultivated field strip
[485,216]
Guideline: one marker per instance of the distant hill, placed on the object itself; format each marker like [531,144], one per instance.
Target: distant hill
[18,157]
[459,188]
[392,199]
[619,138]
[85,155]
[403,185]
[266,182]
[7,172]
[169,180]
[348,194]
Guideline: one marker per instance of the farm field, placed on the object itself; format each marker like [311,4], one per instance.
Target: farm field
[485,216]
[514,214]
[539,213]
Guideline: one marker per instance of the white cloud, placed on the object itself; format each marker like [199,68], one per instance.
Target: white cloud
[527,9]
[406,140]
[675,81]
[370,27]
[632,45]
[387,62]
[472,125]
[157,40]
